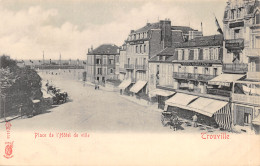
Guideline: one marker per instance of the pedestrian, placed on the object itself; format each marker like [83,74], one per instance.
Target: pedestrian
[98,87]
[95,87]
[175,123]
[195,119]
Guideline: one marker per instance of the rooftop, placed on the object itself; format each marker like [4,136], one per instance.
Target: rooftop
[213,40]
[105,49]
[184,29]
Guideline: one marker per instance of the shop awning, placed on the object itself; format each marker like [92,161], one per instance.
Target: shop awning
[225,79]
[207,106]
[124,84]
[256,121]
[138,86]
[161,92]
[180,100]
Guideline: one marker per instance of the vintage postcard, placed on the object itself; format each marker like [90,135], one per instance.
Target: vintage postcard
[128,82]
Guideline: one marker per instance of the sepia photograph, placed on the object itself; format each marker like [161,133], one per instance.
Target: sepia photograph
[120,82]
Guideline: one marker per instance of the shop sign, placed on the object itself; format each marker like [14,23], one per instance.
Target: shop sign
[196,64]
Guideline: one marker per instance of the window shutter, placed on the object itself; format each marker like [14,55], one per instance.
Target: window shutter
[191,56]
[240,115]
[200,54]
[220,57]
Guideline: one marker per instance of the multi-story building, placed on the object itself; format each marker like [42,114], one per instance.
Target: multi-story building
[241,60]
[160,74]
[122,62]
[191,65]
[144,43]
[101,63]
[199,60]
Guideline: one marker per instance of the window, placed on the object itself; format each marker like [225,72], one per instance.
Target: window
[105,71]
[215,71]
[196,54]
[195,70]
[206,70]
[236,33]
[111,71]
[186,54]
[111,61]
[144,48]
[206,54]
[134,36]
[98,61]
[239,12]
[136,49]
[144,62]
[140,49]
[99,71]
[105,59]
[180,52]
[233,14]
[216,54]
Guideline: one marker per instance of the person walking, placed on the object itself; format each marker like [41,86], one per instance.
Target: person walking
[195,119]
[175,123]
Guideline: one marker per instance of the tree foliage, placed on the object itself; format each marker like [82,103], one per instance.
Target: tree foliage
[19,86]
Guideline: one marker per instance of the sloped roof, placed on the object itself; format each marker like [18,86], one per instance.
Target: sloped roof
[147,27]
[169,52]
[105,49]
[184,29]
[214,40]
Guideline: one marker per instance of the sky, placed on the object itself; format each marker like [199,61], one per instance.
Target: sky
[70,27]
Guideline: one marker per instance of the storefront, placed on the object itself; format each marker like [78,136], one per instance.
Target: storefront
[161,96]
[210,112]
[124,86]
[139,87]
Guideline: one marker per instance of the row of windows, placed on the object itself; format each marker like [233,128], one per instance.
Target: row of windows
[206,70]
[99,61]
[140,49]
[99,71]
[138,61]
[137,36]
[239,13]
[199,54]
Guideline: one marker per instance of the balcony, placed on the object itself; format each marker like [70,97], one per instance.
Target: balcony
[122,70]
[140,67]
[219,92]
[193,76]
[234,44]
[241,98]
[129,66]
[252,52]
[239,68]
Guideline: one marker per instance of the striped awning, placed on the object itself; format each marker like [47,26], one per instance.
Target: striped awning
[124,84]
[207,106]
[161,92]
[181,100]
[138,86]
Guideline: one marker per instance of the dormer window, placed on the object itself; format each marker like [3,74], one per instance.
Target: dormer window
[239,12]
[233,13]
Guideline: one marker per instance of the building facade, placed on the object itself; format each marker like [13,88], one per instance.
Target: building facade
[101,63]
[144,43]
[241,56]
[122,62]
